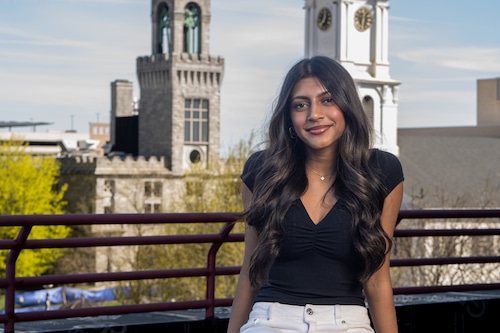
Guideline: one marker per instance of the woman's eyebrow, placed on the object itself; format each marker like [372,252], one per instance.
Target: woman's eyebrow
[322,94]
[299,97]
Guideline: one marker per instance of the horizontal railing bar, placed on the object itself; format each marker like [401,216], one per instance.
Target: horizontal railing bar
[443,261]
[449,288]
[445,232]
[207,238]
[97,219]
[219,302]
[118,276]
[107,310]
[115,310]
[448,213]
[228,270]
[159,218]
[121,241]
[107,277]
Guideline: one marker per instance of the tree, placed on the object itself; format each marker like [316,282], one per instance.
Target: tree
[29,187]
[215,187]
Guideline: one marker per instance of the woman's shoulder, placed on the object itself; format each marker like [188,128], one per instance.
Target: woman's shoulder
[255,159]
[383,159]
[251,166]
[256,156]
[388,166]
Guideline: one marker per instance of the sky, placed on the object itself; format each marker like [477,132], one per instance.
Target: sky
[59,57]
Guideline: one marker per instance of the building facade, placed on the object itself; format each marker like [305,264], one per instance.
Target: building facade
[154,140]
[488,102]
[175,124]
[180,85]
[356,33]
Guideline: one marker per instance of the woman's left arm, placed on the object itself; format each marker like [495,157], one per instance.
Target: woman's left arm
[378,288]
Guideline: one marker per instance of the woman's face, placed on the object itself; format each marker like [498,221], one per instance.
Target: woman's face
[317,120]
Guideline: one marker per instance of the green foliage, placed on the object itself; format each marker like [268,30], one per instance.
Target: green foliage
[29,187]
[209,188]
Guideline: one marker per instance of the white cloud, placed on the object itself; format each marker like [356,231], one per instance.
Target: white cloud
[464,58]
[434,97]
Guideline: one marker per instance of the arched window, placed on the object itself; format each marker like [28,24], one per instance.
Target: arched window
[164,30]
[192,29]
[368,107]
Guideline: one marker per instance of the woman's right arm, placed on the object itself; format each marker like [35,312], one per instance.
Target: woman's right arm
[245,293]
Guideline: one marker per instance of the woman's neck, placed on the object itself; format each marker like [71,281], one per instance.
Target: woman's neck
[322,163]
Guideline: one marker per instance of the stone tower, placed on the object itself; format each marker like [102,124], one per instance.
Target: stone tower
[356,34]
[180,85]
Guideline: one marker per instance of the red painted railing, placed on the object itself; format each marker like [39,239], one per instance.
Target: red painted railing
[11,282]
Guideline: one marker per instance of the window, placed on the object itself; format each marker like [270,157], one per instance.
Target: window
[194,188]
[147,189]
[164,31]
[108,196]
[368,107]
[153,189]
[157,189]
[152,208]
[196,120]
[192,29]
[153,194]
[195,156]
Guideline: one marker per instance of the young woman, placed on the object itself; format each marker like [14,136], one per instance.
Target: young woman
[321,208]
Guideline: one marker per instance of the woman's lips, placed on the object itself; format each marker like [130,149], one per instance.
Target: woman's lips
[318,129]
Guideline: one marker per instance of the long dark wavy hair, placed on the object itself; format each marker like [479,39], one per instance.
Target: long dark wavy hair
[281,178]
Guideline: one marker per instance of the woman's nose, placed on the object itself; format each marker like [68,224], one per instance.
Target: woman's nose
[316,112]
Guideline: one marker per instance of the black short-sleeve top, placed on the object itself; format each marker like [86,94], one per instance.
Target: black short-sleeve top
[317,263]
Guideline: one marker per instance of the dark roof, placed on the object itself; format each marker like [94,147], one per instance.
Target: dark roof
[22,123]
[465,131]
[451,167]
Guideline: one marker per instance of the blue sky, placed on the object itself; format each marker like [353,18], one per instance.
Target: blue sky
[58,58]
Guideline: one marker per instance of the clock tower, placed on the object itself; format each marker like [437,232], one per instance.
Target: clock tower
[180,83]
[355,33]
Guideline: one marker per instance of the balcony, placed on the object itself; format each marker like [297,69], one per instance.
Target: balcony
[453,307]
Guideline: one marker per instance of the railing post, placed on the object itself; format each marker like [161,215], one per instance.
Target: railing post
[211,266]
[10,276]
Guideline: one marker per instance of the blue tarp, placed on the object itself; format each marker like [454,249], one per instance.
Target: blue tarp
[56,296]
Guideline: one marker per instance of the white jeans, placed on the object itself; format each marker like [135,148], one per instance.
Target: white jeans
[282,318]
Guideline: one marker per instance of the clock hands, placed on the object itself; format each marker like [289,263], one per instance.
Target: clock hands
[362,19]
[324,19]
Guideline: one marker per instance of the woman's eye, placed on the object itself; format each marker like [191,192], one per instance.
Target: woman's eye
[299,106]
[328,100]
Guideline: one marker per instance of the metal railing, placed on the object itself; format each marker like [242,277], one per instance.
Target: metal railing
[477,216]
[210,272]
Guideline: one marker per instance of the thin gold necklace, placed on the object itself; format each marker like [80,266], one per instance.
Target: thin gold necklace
[320,175]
